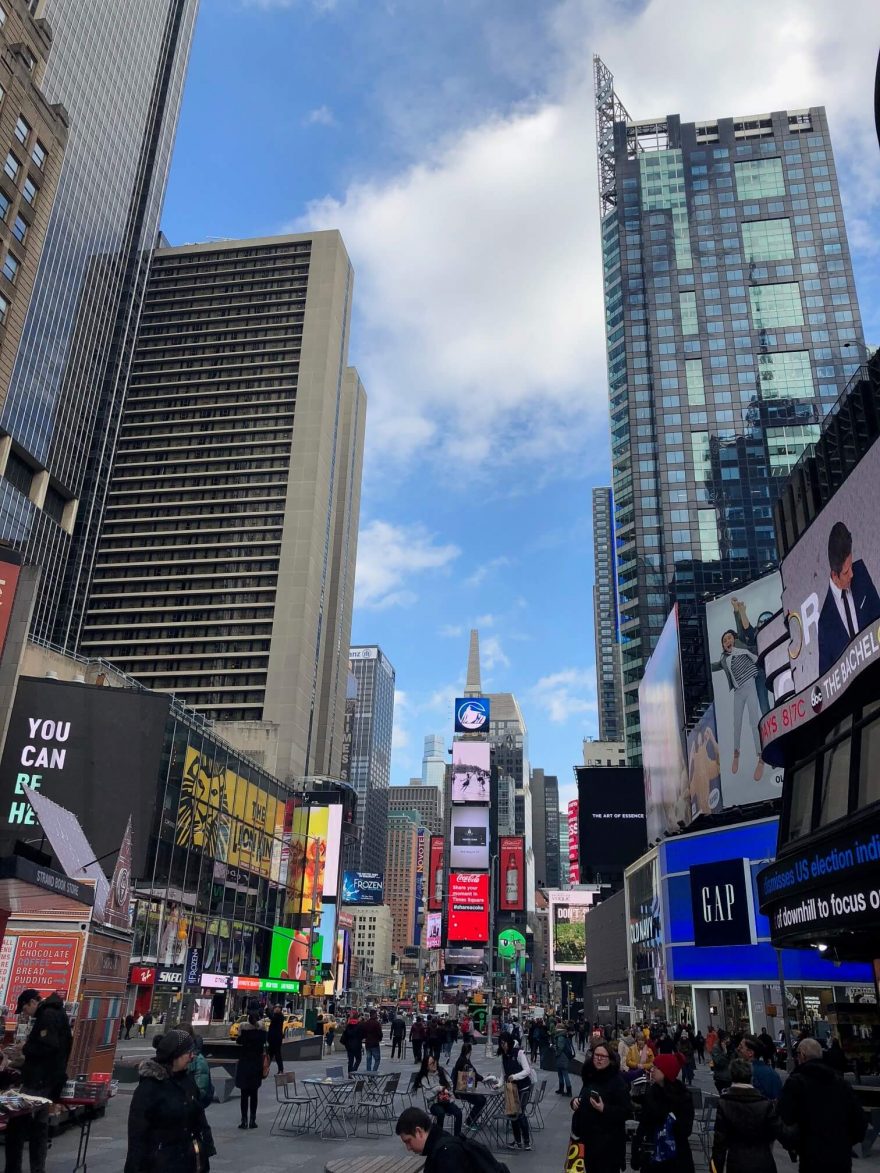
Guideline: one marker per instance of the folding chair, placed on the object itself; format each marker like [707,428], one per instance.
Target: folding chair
[340,1106]
[533,1107]
[295,1112]
[704,1125]
[376,1103]
[335,1072]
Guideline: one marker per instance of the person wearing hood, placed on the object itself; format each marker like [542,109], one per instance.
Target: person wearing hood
[249,1069]
[518,1072]
[665,1122]
[167,1129]
[745,1125]
[43,1073]
[821,1117]
[563,1051]
[601,1111]
[623,1045]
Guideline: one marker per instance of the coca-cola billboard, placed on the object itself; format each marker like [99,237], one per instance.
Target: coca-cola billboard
[512,861]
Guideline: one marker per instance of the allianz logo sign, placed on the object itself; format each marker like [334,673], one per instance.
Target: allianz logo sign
[642,930]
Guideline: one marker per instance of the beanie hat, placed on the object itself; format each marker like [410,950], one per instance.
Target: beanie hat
[670,1065]
[171,1045]
[24,997]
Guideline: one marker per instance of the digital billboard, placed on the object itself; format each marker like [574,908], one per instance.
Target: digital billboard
[463,981]
[289,954]
[512,872]
[661,716]
[433,930]
[421,842]
[471,771]
[435,874]
[740,691]
[472,714]
[470,838]
[568,910]
[468,920]
[315,845]
[10,569]
[363,888]
[611,820]
[95,751]
[574,871]
[704,765]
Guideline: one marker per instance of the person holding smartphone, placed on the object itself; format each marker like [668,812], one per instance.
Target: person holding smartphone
[601,1111]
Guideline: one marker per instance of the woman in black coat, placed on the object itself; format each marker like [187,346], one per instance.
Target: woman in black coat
[745,1126]
[167,1129]
[249,1073]
[666,1096]
[464,1066]
[601,1111]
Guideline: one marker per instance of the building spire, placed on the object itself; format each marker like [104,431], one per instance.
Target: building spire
[473,687]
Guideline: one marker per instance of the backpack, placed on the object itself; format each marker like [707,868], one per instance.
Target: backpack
[477,1158]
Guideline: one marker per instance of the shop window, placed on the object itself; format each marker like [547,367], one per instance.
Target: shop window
[869,772]
[834,779]
[800,814]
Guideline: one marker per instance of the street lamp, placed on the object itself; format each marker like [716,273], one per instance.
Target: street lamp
[490,964]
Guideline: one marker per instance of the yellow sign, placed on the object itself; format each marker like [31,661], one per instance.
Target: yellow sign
[224,815]
[308,857]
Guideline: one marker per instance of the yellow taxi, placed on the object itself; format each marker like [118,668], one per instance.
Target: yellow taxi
[236,1026]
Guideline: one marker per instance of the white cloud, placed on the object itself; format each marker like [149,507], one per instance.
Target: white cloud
[388,556]
[484,621]
[320,116]
[451,631]
[492,654]
[482,573]
[566,694]
[399,733]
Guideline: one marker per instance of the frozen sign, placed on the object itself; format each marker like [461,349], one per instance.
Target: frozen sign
[45,749]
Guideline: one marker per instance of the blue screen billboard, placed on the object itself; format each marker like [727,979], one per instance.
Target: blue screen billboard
[363,888]
[472,714]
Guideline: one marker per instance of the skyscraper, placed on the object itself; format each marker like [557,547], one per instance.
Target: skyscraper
[425,801]
[732,327]
[545,828]
[118,68]
[400,876]
[434,761]
[371,754]
[605,622]
[225,567]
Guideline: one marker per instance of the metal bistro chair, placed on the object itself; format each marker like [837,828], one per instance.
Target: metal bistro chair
[704,1125]
[335,1072]
[376,1103]
[295,1112]
[410,1090]
[533,1107]
[340,1107]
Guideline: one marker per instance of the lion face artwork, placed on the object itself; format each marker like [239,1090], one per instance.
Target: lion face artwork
[203,818]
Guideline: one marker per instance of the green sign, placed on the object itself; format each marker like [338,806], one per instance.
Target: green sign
[509,942]
[279,987]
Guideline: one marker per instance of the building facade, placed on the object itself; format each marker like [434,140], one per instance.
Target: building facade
[427,801]
[545,828]
[371,754]
[225,568]
[604,753]
[401,861]
[732,327]
[119,71]
[606,627]
[371,942]
[434,761]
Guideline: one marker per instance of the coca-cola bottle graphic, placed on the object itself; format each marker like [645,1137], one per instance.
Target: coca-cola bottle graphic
[511,881]
[438,885]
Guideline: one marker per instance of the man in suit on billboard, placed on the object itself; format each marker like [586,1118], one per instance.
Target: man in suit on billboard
[852,602]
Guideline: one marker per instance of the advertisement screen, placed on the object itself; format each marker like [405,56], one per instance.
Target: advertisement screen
[741,695]
[363,888]
[470,838]
[704,765]
[462,981]
[646,956]
[574,871]
[661,714]
[315,844]
[10,569]
[471,769]
[469,907]
[512,873]
[95,751]
[611,819]
[433,930]
[290,950]
[568,929]
[435,874]
[472,714]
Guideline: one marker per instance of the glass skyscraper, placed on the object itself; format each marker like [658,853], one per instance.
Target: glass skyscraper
[371,756]
[119,69]
[732,327]
[605,624]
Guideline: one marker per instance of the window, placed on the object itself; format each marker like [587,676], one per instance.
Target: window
[786,375]
[767,240]
[22,129]
[19,229]
[688,305]
[30,191]
[759,179]
[19,473]
[2,16]
[4,309]
[776,305]
[38,154]
[5,205]
[12,166]
[10,268]
[695,387]
[834,780]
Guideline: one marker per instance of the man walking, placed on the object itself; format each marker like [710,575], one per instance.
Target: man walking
[821,1117]
[275,1037]
[43,1073]
[418,1033]
[373,1041]
[398,1034]
[564,1051]
[764,1078]
[352,1039]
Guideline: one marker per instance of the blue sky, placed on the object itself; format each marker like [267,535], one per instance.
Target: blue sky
[452,143]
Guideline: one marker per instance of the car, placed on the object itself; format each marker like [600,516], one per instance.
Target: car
[236,1026]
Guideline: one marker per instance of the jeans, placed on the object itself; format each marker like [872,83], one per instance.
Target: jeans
[564,1080]
[397,1044]
[441,1109]
[354,1058]
[248,1101]
[374,1056]
[417,1045]
[477,1104]
[519,1124]
[31,1129]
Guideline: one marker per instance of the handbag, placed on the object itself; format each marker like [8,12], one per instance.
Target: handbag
[465,1081]
[574,1160]
[511,1099]
[267,1064]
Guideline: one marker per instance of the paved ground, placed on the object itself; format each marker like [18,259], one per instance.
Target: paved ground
[257,1152]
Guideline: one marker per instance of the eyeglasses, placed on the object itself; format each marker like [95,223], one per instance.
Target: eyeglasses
[601,1055]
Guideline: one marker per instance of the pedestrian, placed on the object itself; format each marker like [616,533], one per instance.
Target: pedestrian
[720,1061]
[821,1117]
[129,1023]
[398,1034]
[43,1073]
[198,1068]
[450,1036]
[532,1037]
[329,1037]
[352,1038]
[434,1082]
[700,1046]
[373,1041]
[467,1028]
[147,1021]
[711,1040]
[465,1079]
[421,1136]
[517,1072]
[685,1047]
[764,1077]
[601,1111]
[835,1057]
[275,1037]
[167,1128]
[418,1032]
[582,1035]
[563,1051]
[745,1125]
[139,1023]
[666,1120]
[249,1071]
[435,1038]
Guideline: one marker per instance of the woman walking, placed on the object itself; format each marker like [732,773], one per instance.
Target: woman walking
[518,1073]
[665,1122]
[601,1112]
[249,1072]
[433,1081]
[745,1126]
[563,1051]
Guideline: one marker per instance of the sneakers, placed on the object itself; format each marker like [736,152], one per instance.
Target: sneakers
[514,1144]
[528,1147]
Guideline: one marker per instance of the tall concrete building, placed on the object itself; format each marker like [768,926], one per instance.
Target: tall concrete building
[119,70]
[225,567]
[434,761]
[564,881]
[401,858]
[426,801]
[371,754]
[732,327]
[545,828]
[605,619]
[371,942]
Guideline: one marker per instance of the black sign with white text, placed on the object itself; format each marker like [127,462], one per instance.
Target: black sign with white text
[721,904]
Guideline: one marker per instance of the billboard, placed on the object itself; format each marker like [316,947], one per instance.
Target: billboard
[469,848]
[471,771]
[472,714]
[363,888]
[704,766]
[315,845]
[740,691]
[468,919]
[435,874]
[289,955]
[661,715]
[568,929]
[574,871]
[433,930]
[421,839]
[611,820]
[46,962]
[512,873]
[463,981]
[10,569]
[95,751]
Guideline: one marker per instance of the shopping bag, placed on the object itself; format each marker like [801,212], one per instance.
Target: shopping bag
[267,1064]
[511,1099]
[465,1081]
[574,1161]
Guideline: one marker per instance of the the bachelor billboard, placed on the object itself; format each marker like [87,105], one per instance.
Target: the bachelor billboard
[468,920]
[363,888]
[471,770]
[661,715]
[512,864]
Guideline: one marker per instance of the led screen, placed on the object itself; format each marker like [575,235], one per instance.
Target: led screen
[468,918]
[469,848]
[661,715]
[471,768]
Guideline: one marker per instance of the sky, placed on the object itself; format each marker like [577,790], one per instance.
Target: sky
[452,143]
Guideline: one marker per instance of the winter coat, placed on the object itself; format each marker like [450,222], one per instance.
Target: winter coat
[47,1049]
[200,1073]
[821,1118]
[766,1080]
[603,1133]
[398,1030]
[352,1038]
[167,1129]
[418,1032]
[658,1102]
[372,1032]
[563,1051]
[249,1072]
[275,1033]
[745,1128]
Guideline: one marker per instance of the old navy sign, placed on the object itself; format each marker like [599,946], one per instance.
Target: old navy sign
[721,903]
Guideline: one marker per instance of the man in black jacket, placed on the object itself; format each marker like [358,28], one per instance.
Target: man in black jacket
[43,1073]
[820,1114]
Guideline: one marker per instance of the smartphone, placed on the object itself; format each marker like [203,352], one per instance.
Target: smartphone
[596,1097]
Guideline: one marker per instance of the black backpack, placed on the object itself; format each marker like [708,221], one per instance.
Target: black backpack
[477,1158]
